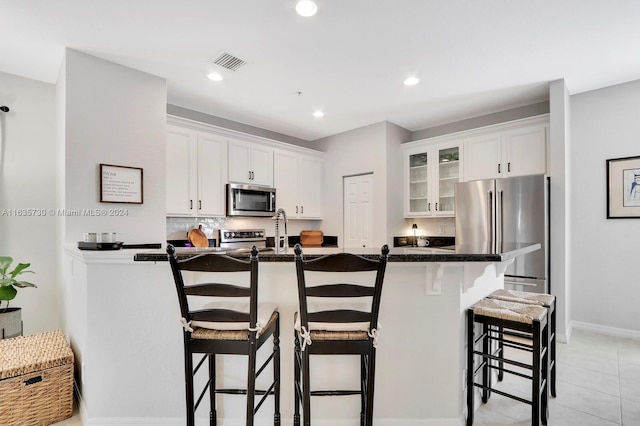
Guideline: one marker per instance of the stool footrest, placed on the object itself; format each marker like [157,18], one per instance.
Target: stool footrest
[244,391]
[515,345]
[499,392]
[514,333]
[505,360]
[335,392]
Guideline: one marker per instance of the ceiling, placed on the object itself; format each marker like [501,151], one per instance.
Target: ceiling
[472,57]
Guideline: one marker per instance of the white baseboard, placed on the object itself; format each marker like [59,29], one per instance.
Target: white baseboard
[168,421]
[421,422]
[133,421]
[602,329]
[138,421]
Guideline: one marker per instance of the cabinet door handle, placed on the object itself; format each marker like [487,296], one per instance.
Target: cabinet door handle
[428,207]
[199,204]
[253,175]
[249,174]
[509,167]
[296,209]
[301,209]
[190,204]
[436,206]
[499,168]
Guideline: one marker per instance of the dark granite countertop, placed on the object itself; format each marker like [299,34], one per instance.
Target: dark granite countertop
[396,254]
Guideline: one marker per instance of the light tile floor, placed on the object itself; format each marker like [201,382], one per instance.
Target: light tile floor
[598,385]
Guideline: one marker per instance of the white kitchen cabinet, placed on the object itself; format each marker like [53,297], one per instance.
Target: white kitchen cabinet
[250,163]
[196,173]
[298,181]
[431,171]
[516,151]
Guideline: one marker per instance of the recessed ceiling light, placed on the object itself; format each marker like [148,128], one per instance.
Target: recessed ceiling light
[411,81]
[318,114]
[214,76]
[306,8]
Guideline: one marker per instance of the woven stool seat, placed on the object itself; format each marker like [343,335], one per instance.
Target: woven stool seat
[234,335]
[320,335]
[523,297]
[512,311]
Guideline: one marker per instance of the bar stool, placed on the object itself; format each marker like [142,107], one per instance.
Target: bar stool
[337,329]
[500,318]
[542,299]
[226,328]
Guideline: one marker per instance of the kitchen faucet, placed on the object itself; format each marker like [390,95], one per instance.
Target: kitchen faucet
[285,238]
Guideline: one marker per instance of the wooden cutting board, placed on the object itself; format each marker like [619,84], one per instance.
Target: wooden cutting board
[197,237]
[311,238]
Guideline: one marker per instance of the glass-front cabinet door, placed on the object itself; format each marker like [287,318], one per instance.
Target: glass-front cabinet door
[431,172]
[419,183]
[448,176]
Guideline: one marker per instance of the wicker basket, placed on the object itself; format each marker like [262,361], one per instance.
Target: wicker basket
[36,380]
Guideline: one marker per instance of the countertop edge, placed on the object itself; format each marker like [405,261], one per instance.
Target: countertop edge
[413,256]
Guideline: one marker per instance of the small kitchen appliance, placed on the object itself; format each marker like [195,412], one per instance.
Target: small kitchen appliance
[246,200]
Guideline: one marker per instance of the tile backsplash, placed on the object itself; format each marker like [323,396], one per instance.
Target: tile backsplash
[437,226]
[177,227]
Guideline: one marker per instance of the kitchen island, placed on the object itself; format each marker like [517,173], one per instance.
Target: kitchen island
[122,318]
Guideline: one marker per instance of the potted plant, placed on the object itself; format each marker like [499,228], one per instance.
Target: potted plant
[11,318]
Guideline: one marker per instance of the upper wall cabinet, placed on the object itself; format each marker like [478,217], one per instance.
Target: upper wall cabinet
[196,172]
[513,151]
[298,180]
[431,171]
[250,163]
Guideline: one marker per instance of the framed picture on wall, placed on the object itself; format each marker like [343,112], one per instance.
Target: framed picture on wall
[623,188]
[120,184]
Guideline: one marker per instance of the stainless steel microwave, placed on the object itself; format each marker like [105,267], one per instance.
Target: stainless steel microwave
[246,200]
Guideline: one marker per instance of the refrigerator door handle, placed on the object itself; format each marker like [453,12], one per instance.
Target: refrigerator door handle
[500,221]
[492,219]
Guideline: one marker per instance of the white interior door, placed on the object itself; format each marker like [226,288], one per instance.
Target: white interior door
[358,211]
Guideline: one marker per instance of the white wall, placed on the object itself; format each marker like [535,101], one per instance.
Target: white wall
[113,115]
[559,166]
[359,151]
[605,124]
[28,181]
[396,225]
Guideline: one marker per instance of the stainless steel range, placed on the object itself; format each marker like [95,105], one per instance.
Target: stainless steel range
[243,238]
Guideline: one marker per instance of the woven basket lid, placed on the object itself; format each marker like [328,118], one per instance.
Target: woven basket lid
[27,354]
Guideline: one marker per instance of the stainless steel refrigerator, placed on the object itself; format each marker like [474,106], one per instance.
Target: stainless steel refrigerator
[494,213]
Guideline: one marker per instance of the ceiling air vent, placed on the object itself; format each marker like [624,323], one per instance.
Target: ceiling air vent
[229,62]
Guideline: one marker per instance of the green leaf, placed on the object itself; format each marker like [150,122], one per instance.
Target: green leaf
[6,281]
[20,269]
[5,261]
[23,284]
[7,292]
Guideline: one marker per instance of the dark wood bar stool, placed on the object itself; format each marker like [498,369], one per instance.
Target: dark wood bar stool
[337,329]
[499,319]
[542,299]
[226,328]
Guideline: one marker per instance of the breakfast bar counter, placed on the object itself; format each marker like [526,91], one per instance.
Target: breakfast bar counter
[123,317]
[458,253]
